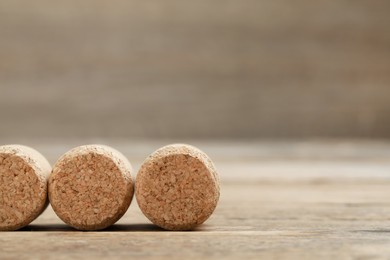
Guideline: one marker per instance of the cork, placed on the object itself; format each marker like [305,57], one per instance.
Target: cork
[90,187]
[23,186]
[177,187]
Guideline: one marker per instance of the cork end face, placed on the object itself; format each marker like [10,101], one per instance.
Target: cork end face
[23,190]
[90,187]
[176,188]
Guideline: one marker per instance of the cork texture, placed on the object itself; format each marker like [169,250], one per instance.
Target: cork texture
[91,187]
[177,187]
[23,186]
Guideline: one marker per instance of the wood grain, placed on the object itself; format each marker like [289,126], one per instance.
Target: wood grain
[221,69]
[320,210]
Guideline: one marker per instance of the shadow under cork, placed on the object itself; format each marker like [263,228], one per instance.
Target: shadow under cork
[113,228]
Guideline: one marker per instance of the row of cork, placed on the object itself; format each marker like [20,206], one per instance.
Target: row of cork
[91,187]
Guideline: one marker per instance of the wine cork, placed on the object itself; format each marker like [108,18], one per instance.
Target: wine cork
[91,187]
[177,187]
[23,186]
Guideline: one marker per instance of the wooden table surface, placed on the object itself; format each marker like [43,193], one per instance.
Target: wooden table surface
[314,200]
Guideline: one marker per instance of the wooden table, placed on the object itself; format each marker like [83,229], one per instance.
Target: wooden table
[315,200]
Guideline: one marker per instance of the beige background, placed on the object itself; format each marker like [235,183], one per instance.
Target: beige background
[131,73]
[194,69]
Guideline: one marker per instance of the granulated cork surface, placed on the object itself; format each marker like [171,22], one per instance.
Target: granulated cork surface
[177,187]
[91,187]
[293,200]
[23,186]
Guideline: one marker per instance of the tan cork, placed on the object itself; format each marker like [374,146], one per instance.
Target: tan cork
[91,187]
[177,187]
[23,186]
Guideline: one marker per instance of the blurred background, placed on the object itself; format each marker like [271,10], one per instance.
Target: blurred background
[236,70]
[290,98]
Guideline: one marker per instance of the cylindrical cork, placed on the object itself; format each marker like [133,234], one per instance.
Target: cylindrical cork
[177,187]
[91,187]
[23,186]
